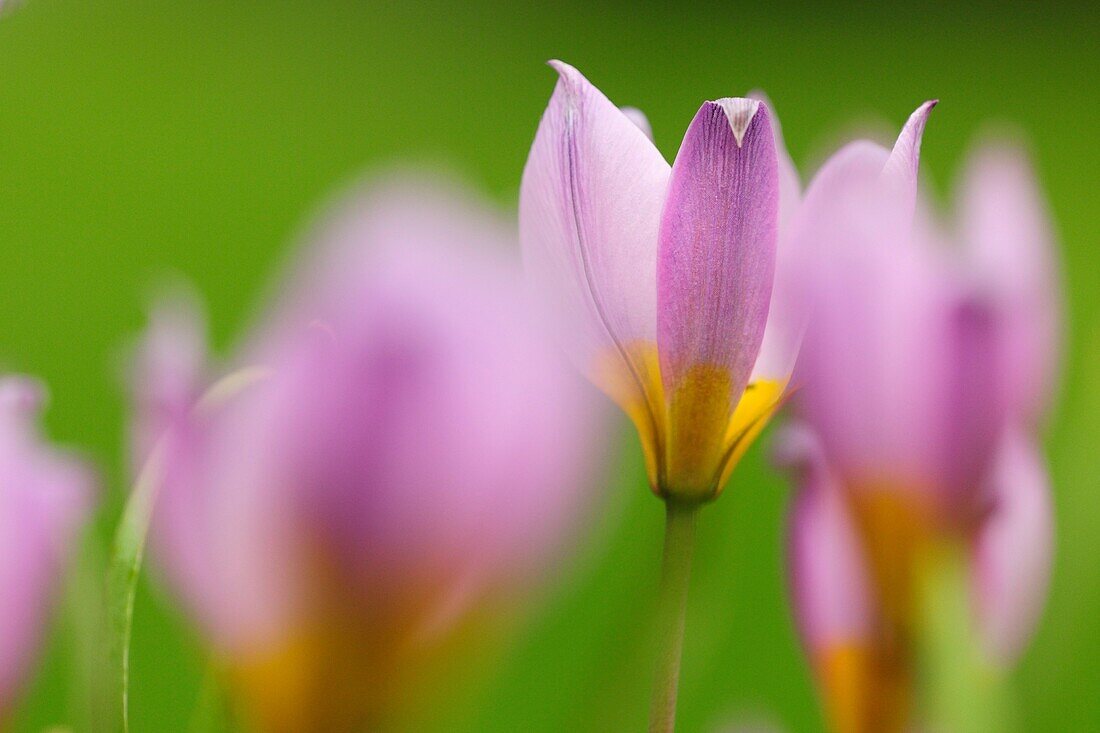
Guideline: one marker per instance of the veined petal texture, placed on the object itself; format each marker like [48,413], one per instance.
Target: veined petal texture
[590,203]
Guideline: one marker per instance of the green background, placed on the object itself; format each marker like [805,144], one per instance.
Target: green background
[139,139]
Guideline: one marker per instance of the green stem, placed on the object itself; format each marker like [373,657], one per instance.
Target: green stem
[961,690]
[672,605]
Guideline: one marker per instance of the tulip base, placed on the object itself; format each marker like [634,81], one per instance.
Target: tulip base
[671,610]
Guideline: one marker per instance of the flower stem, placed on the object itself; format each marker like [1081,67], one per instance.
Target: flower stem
[672,605]
[961,690]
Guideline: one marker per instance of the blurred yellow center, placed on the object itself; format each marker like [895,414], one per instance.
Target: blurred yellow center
[896,530]
[353,658]
[866,689]
[326,678]
[869,685]
[692,438]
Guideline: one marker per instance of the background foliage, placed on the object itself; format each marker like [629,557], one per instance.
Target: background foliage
[142,138]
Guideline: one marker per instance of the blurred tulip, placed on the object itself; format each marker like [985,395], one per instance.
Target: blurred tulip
[923,375]
[402,451]
[662,277]
[45,496]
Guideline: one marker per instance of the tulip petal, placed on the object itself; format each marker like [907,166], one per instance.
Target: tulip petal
[715,269]
[790,184]
[828,581]
[889,361]
[786,316]
[44,497]
[1006,231]
[901,169]
[589,210]
[717,245]
[167,371]
[864,687]
[1014,549]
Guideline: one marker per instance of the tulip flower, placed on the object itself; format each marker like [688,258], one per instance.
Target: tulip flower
[661,280]
[661,276]
[403,453]
[923,376]
[45,496]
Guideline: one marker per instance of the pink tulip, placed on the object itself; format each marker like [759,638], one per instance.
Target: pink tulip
[45,496]
[923,375]
[661,277]
[406,449]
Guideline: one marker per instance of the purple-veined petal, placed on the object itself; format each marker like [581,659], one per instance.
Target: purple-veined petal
[717,245]
[1013,550]
[589,209]
[715,270]
[1008,239]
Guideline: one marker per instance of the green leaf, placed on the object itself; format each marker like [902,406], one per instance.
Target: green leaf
[128,549]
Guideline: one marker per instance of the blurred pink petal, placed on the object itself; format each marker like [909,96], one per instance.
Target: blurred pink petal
[826,574]
[922,372]
[899,365]
[167,370]
[416,448]
[639,119]
[45,496]
[1010,247]
[1014,548]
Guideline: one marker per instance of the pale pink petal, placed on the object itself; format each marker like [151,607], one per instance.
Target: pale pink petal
[717,244]
[222,528]
[45,495]
[825,566]
[790,183]
[1014,548]
[638,117]
[900,172]
[786,316]
[1011,250]
[589,209]
[166,372]
[897,365]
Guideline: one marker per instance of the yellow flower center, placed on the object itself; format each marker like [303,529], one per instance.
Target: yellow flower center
[693,438]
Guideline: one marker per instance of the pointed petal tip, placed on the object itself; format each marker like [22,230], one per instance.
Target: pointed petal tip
[920,115]
[914,126]
[740,112]
[565,71]
[570,81]
[904,161]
